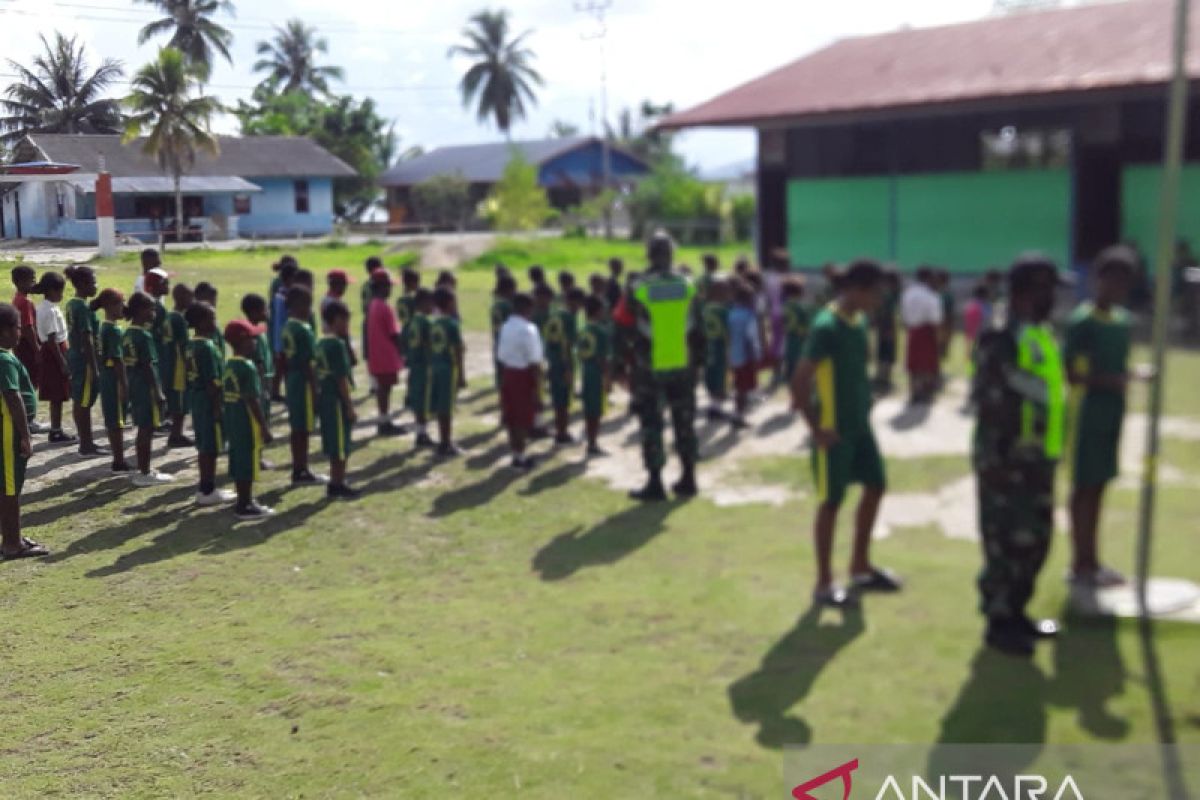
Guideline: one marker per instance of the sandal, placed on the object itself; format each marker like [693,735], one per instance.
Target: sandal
[31,550]
[835,597]
[877,580]
[60,437]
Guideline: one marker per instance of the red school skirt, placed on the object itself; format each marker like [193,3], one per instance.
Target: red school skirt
[921,356]
[518,397]
[31,358]
[54,384]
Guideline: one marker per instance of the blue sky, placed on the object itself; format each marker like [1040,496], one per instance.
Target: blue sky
[684,51]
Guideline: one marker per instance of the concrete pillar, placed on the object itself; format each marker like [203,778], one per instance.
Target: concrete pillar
[106,226]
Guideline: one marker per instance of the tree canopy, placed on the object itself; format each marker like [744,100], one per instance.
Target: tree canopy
[289,60]
[501,78]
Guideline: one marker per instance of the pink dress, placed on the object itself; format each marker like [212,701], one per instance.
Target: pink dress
[972,319]
[383,360]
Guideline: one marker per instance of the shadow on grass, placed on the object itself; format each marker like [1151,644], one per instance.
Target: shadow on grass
[913,415]
[1088,671]
[606,543]
[787,674]
[554,478]
[776,424]
[473,495]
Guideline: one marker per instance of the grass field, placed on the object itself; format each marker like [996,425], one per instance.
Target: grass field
[465,630]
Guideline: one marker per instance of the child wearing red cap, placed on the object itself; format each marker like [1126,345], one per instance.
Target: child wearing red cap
[384,361]
[245,426]
[114,386]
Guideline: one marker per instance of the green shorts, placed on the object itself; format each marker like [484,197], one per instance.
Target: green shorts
[144,408]
[301,409]
[416,396]
[1096,441]
[443,390]
[110,400]
[335,429]
[716,376]
[854,459]
[595,403]
[245,452]
[265,400]
[84,386]
[177,402]
[206,427]
[12,464]
[558,377]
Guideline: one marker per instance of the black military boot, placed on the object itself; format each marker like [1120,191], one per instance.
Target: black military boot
[653,491]
[686,485]
[1009,637]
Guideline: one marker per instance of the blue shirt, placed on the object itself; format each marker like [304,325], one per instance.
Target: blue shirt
[279,316]
[743,337]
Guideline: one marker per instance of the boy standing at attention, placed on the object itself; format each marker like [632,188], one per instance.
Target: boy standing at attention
[173,363]
[83,334]
[145,394]
[795,325]
[831,389]
[384,361]
[410,283]
[594,348]
[416,353]
[299,345]
[336,406]
[254,307]
[520,354]
[206,374]
[246,428]
[445,369]
[1096,355]
[114,388]
[15,446]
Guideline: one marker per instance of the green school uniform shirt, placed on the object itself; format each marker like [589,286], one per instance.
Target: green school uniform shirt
[81,320]
[332,364]
[173,355]
[501,311]
[138,350]
[14,377]
[264,359]
[838,346]
[445,339]
[299,344]
[560,333]
[240,387]
[405,309]
[158,327]
[416,342]
[206,364]
[109,344]
[594,348]
[715,319]
[365,296]
[1097,343]
[795,325]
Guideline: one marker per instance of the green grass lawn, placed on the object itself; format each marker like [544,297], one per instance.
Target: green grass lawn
[464,630]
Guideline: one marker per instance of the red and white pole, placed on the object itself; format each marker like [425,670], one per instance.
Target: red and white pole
[106,226]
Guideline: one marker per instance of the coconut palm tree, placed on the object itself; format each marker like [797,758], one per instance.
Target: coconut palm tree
[501,79]
[167,106]
[59,94]
[290,60]
[192,30]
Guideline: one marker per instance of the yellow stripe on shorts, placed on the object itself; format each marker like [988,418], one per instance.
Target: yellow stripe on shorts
[256,445]
[10,458]
[341,434]
[822,474]
[308,409]
[826,394]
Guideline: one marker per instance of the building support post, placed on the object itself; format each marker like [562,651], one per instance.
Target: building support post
[106,226]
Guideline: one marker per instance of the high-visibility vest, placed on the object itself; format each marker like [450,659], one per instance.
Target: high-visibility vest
[1039,358]
[667,299]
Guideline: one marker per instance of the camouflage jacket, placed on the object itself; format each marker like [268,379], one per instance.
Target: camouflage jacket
[999,391]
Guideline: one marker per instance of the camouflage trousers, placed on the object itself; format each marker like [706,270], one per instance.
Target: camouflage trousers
[677,392]
[1016,522]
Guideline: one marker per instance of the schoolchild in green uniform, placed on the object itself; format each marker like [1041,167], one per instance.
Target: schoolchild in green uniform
[831,389]
[157,284]
[506,289]
[299,346]
[594,349]
[172,363]
[145,394]
[205,374]
[714,318]
[446,373]
[83,330]
[559,333]
[15,445]
[245,426]
[254,308]
[416,360]
[114,388]
[335,406]
[207,293]
[1096,354]
[795,324]
[406,303]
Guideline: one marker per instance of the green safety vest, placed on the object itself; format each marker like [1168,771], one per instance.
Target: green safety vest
[1039,358]
[668,303]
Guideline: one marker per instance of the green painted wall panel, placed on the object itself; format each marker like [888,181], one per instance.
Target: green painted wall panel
[1140,186]
[968,222]
[837,219]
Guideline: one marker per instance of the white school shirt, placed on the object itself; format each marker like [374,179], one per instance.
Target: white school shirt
[920,305]
[520,344]
[50,321]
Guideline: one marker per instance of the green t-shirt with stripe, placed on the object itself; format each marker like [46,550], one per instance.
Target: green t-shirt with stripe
[837,344]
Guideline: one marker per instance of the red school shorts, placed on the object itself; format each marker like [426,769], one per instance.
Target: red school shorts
[518,397]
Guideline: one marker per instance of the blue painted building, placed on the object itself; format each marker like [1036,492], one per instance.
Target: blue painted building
[570,169]
[256,187]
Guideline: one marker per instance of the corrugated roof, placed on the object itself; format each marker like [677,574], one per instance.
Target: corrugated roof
[190,184]
[242,156]
[478,163]
[1102,46]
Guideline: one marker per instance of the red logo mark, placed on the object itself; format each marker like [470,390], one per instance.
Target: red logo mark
[801,792]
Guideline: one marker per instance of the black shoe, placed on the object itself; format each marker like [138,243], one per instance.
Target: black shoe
[424,440]
[835,597]
[94,450]
[564,439]
[522,463]
[1039,629]
[164,428]
[307,477]
[739,423]
[652,492]
[60,437]
[448,451]
[877,580]
[278,398]
[341,492]
[121,467]
[391,429]
[595,451]
[539,432]
[686,486]
[180,441]
[253,512]
[715,415]
[1009,637]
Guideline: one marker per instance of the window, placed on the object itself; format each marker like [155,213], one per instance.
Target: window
[241,204]
[301,191]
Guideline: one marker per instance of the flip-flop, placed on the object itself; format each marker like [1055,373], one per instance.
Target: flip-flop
[835,597]
[26,552]
[877,580]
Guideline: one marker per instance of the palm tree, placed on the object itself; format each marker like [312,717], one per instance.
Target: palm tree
[192,30]
[291,60]
[500,81]
[166,105]
[58,94]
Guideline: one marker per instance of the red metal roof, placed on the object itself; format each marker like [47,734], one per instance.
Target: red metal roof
[1103,46]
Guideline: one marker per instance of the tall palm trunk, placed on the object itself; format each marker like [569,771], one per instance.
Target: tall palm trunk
[178,208]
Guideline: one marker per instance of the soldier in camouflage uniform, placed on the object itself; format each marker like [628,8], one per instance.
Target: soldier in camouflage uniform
[655,319]
[1019,391]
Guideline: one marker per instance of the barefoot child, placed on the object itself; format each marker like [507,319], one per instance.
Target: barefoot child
[299,344]
[336,408]
[114,387]
[244,423]
[83,329]
[830,387]
[445,368]
[145,394]
[206,372]
[15,446]
[594,349]
[384,362]
[54,381]
[520,353]
[172,362]
[416,355]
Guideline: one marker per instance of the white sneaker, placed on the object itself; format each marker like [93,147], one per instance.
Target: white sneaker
[253,513]
[215,498]
[151,478]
